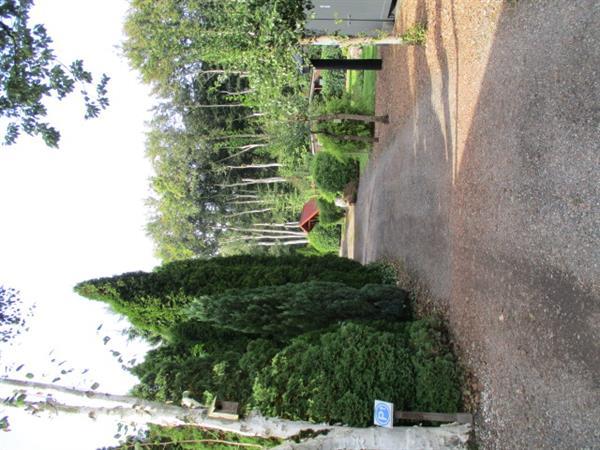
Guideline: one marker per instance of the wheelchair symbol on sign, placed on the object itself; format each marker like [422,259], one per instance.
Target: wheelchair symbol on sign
[383,414]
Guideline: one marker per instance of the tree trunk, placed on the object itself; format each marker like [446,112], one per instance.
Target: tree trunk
[271,244]
[131,409]
[255,166]
[262,230]
[358,117]
[250,181]
[341,41]
[346,137]
[244,213]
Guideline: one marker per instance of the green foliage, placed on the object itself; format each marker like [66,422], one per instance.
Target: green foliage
[437,379]
[157,300]
[332,175]
[416,35]
[201,358]
[387,271]
[12,314]
[333,81]
[191,438]
[325,238]
[30,72]
[279,313]
[336,377]
[329,213]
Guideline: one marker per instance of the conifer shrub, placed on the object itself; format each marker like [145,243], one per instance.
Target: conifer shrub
[325,238]
[329,213]
[437,379]
[336,376]
[279,313]
[156,300]
[332,174]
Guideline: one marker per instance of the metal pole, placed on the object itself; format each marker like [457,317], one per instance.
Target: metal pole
[347,64]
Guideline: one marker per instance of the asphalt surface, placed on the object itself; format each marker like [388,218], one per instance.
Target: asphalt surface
[486,185]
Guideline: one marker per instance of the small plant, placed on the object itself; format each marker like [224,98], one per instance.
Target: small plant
[415,35]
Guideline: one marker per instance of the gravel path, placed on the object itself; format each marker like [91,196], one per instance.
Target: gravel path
[486,185]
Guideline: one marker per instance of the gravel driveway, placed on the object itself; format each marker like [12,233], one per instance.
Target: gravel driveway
[486,185]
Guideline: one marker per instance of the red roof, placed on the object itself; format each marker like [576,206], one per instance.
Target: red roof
[309,214]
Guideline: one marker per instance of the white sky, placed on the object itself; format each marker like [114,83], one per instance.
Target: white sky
[72,214]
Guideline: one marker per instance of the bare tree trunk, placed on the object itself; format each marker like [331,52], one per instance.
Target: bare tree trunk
[261,230]
[280,225]
[251,181]
[249,202]
[357,117]
[271,244]
[346,137]
[255,166]
[245,148]
[144,412]
[244,213]
[341,41]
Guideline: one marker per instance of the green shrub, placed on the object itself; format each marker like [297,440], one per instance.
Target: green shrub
[333,81]
[331,174]
[156,300]
[325,238]
[279,313]
[329,213]
[336,377]
[437,381]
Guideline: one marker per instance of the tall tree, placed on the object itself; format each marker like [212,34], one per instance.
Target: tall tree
[31,72]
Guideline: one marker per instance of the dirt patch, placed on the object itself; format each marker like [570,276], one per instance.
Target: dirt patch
[485,187]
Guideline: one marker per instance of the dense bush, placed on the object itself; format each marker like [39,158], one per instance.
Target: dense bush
[202,359]
[279,313]
[333,81]
[329,213]
[325,238]
[336,377]
[437,381]
[156,300]
[332,174]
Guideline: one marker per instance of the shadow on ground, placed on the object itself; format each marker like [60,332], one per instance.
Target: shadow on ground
[485,185]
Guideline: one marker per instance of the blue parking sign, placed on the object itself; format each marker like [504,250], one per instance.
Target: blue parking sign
[383,414]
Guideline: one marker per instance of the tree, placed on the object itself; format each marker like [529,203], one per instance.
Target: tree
[135,410]
[282,312]
[30,72]
[12,316]
[157,300]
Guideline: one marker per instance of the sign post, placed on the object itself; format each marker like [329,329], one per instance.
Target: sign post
[383,414]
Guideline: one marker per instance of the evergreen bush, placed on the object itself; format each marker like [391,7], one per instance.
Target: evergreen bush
[329,213]
[332,174]
[325,238]
[337,376]
[279,313]
[156,300]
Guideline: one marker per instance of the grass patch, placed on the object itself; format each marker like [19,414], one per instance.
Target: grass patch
[415,35]
[361,84]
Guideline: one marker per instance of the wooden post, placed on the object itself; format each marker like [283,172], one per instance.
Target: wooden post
[347,64]
[434,417]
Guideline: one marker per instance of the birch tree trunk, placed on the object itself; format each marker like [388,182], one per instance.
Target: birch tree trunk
[132,409]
